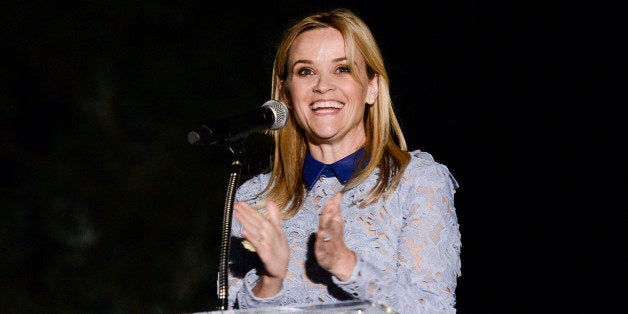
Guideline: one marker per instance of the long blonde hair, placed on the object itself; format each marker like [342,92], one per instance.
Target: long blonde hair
[385,145]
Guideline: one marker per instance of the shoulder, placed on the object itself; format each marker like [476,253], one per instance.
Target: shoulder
[423,169]
[250,189]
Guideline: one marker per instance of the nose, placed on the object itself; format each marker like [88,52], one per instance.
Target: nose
[324,83]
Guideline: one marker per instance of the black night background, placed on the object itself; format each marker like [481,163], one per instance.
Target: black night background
[106,208]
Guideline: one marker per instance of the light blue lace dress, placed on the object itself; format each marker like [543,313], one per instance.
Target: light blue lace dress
[407,246]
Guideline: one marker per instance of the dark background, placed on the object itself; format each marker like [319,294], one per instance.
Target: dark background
[107,209]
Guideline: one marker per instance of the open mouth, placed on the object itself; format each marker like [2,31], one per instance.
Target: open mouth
[327,106]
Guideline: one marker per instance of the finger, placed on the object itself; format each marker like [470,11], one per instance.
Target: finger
[255,240]
[243,215]
[332,207]
[249,219]
[274,214]
[248,214]
[246,208]
[330,211]
[323,236]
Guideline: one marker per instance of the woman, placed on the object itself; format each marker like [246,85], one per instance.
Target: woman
[346,211]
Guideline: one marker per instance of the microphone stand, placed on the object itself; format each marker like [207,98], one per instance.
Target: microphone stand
[236,150]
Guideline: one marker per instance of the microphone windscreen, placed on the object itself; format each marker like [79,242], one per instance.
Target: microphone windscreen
[280,112]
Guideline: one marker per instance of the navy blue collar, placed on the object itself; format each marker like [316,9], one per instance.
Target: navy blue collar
[341,169]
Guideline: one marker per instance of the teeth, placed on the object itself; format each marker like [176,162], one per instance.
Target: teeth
[327,104]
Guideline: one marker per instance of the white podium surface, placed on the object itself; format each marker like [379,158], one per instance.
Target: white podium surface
[345,307]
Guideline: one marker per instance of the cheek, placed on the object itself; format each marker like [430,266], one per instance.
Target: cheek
[298,91]
[298,96]
[299,114]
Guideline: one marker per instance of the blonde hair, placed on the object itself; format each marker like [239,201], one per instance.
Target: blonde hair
[385,144]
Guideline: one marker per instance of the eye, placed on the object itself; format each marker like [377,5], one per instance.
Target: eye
[305,71]
[344,69]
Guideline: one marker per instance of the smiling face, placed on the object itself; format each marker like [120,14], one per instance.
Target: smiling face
[327,100]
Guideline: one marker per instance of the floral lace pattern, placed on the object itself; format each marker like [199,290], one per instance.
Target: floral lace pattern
[408,245]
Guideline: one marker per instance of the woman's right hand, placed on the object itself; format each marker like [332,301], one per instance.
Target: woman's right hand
[270,243]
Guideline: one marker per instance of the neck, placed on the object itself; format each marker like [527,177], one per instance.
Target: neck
[330,153]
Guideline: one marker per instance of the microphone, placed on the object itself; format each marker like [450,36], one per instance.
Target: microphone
[272,115]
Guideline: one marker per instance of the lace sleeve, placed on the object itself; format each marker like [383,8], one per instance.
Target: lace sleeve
[422,276]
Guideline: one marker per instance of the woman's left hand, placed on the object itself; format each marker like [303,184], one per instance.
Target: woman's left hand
[330,248]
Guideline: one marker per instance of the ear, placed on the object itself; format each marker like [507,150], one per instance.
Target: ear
[284,92]
[373,90]
[282,86]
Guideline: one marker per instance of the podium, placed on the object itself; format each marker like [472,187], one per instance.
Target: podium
[344,307]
